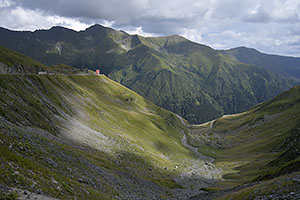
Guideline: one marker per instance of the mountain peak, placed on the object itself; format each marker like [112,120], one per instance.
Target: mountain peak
[96,26]
[177,37]
[243,48]
[57,27]
[56,30]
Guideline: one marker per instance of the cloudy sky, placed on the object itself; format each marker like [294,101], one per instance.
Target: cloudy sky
[271,26]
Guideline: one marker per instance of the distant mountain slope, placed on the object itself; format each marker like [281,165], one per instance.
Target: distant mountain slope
[190,79]
[289,66]
[59,45]
[12,62]
[196,81]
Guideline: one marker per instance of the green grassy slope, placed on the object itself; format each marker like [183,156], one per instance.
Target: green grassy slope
[190,79]
[260,144]
[88,137]
[17,63]
[282,187]
[12,62]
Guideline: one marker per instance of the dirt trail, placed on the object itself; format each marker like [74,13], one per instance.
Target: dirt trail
[212,123]
[191,148]
[200,173]
[194,149]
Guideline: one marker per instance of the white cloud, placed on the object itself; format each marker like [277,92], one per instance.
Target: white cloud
[108,23]
[139,31]
[280,11]
[26,19]
[67,22]
[192,34]
[5,3]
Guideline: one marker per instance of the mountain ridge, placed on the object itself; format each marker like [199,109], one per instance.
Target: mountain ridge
[285,65]
[173,72]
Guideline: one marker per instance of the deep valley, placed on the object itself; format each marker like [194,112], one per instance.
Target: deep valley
[225,129]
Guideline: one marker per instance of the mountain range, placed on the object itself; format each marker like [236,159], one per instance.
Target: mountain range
[85,136]
[190,79]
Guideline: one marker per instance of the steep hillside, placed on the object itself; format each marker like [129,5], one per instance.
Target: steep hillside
[14,62]
[190,79]
[88,137]
[258,145]
[289,66]
[195,81]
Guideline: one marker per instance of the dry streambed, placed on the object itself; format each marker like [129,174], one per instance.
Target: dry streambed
[201,171]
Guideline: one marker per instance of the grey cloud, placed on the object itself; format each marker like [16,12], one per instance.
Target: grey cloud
[91,9]
[220,23]
[134,12]
[178,13]
[258,14]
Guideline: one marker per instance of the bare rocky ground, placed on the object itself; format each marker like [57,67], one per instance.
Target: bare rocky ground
[20,194]
[129,186]
[26,195]
[201,172]
[197,173]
